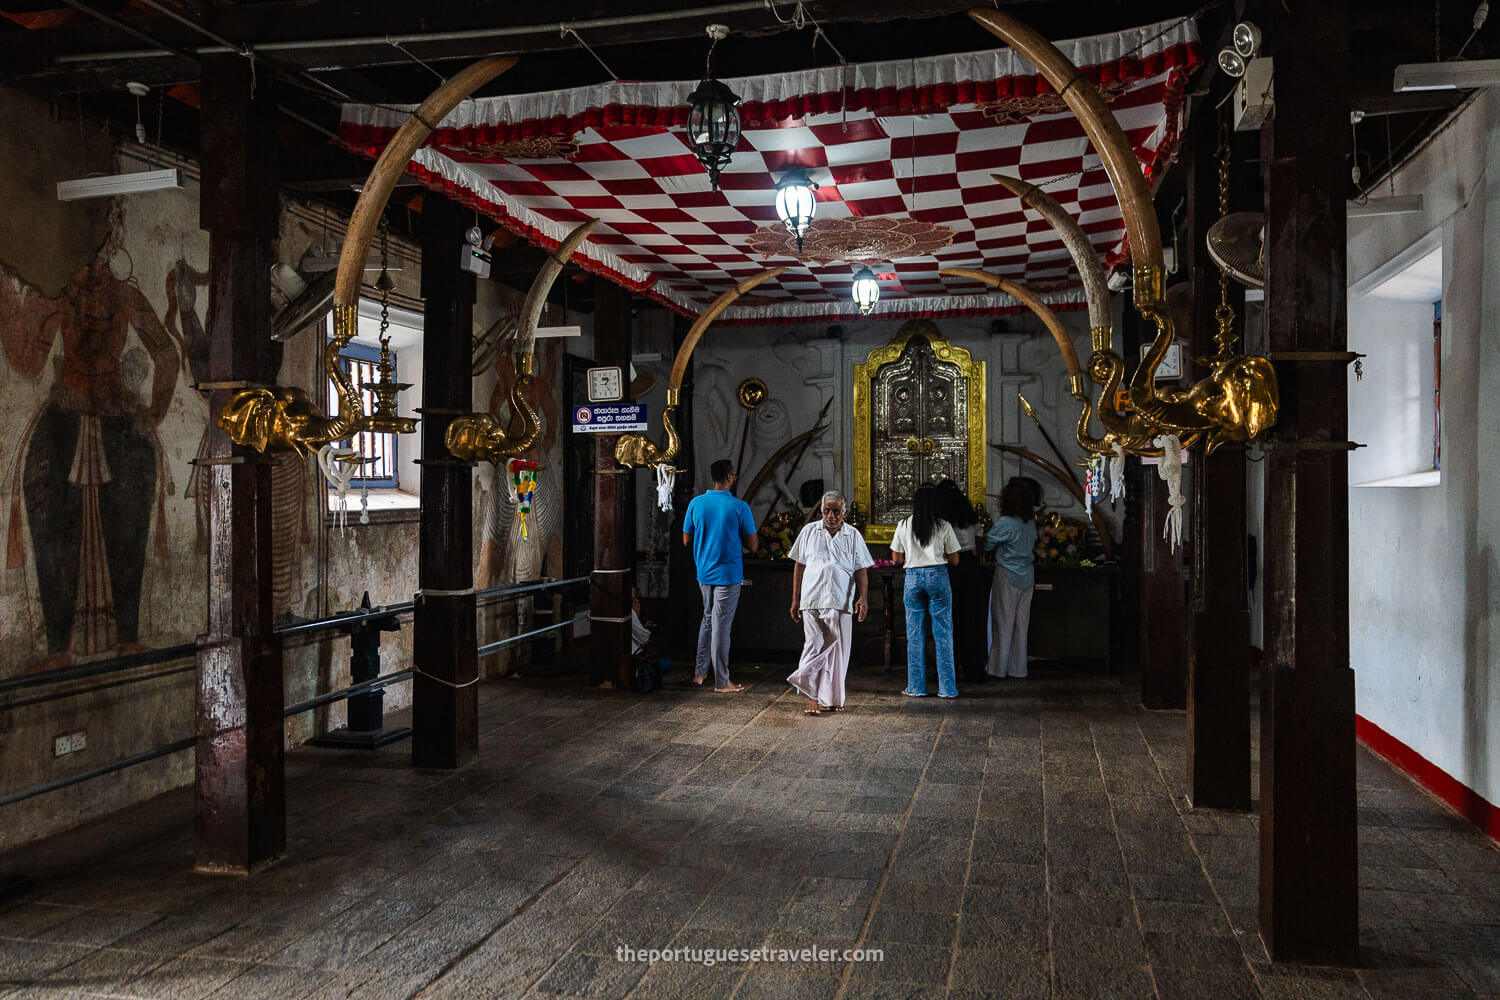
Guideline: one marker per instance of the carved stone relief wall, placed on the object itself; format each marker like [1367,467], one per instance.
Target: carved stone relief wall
[804,366]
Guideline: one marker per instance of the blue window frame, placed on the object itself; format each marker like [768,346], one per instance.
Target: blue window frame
[360,361]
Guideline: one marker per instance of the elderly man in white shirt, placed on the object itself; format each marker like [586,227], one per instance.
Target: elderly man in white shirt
[830,583]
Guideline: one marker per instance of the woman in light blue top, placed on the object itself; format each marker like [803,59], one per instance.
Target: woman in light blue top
[1013,539]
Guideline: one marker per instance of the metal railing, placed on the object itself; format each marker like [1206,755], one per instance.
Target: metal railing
[118,664]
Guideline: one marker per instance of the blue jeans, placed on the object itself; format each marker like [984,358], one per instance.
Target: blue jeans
[926,590]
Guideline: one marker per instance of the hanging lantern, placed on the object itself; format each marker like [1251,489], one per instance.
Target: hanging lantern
[866,290]
[713,122]
[795,204]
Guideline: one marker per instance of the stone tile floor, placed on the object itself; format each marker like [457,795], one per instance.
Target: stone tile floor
[1027,840]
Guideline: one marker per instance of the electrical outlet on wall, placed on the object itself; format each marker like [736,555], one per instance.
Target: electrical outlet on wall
[68,743]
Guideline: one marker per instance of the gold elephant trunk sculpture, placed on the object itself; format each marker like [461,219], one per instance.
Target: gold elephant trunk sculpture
[481,436]
[1238,399]
[283,418]
[636,450]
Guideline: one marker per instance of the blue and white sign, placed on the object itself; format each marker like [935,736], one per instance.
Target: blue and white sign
[609,418]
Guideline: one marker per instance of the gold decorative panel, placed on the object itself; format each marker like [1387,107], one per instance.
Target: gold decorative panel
[919,417]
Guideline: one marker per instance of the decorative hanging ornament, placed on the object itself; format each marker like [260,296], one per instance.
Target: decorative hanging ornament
[1117,473]
[338,465]
[383,418]
[1170,470]
[795,204]
[521,479]
[713,121]
[866,290]
[666,479]
[1093,483]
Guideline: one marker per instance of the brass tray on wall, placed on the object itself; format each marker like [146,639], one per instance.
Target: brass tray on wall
[925,426]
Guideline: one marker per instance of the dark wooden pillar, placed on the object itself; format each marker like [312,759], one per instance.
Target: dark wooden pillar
[1308,859]
[1218,702]
[239,818]
[1158,578]
[445,695]
[614,491]
[682,628]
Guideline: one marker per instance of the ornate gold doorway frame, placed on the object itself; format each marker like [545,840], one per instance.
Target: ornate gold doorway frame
[971,375]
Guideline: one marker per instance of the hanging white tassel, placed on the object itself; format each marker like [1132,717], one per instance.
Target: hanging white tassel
[364,501]
[1117,473]
[336,468]
[1170,470]
[666,479]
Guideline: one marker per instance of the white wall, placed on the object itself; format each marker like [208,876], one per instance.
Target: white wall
[1423,582]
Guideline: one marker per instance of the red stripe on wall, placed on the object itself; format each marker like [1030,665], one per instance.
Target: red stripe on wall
[1469,803]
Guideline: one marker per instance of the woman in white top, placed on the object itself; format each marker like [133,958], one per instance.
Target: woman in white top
[926,545]
[829,580]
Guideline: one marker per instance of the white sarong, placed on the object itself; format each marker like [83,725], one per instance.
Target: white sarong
[826,645]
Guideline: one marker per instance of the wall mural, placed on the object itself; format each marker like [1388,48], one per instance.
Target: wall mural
[88,470]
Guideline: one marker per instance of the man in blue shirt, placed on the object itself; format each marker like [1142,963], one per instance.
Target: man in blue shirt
[714,526]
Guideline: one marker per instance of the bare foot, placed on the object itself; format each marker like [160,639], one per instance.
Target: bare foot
[699,678]
[731,689]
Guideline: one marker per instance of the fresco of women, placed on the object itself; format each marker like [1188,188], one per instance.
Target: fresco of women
[88,462]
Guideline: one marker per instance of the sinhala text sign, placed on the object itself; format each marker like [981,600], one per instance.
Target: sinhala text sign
[609,418]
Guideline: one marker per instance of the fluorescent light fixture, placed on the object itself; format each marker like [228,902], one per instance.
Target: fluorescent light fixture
[559,331]
[316,264]
[116,184]
[1457,75]
[1405,204]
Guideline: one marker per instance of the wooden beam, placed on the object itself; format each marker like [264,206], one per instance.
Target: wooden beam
[1218,674]
[1309,892]
[614,507]
[1160,587]
[445,695]
[240,796]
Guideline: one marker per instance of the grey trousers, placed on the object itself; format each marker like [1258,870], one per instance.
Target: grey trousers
[719,604]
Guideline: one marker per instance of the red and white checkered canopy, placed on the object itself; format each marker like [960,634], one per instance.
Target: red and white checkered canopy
[902,151]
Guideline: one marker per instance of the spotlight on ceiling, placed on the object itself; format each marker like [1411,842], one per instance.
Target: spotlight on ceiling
[1457,75]
[713,121]
[1245,45]
[866,290]
[795,204]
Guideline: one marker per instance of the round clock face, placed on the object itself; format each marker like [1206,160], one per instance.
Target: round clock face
[605,385]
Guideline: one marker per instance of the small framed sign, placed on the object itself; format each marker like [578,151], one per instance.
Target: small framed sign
[606,385]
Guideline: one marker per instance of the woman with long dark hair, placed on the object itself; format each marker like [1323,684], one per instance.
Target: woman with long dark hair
[1013,539]
[926,545]
[971,590]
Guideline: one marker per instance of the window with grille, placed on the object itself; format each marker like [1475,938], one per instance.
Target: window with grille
[361,362]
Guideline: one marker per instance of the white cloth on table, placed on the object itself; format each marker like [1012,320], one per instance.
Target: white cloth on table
[826,642]
[829,564]
[639,633]
[915,555]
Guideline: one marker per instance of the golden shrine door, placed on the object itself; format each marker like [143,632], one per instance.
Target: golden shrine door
[919,417]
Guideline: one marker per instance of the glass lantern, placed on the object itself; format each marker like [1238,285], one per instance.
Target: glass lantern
[795,204]
[713,126]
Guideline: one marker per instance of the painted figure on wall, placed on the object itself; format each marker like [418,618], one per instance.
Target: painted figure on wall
[89,463]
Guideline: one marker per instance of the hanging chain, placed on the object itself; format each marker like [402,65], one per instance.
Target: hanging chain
[1224,337]
[708,60]
[385,283]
